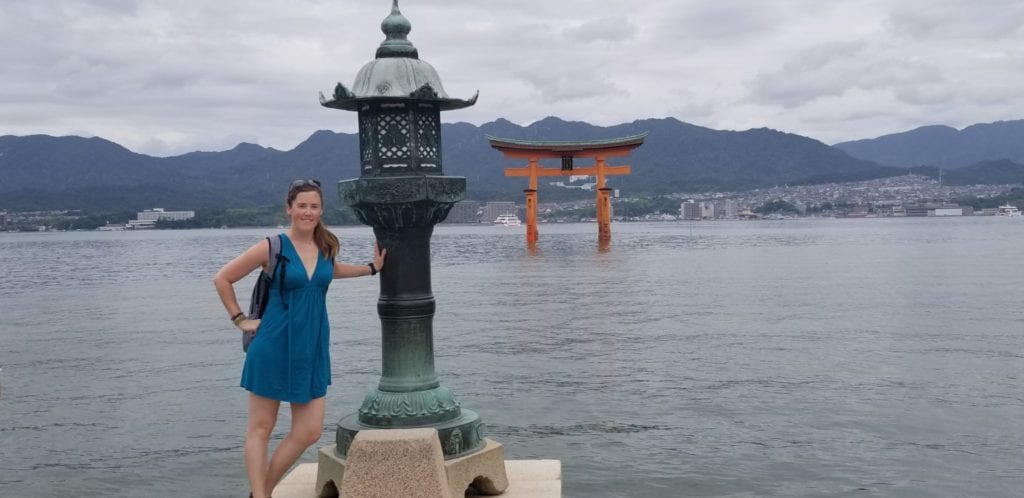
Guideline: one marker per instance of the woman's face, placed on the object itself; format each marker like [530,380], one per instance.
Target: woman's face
[306,210]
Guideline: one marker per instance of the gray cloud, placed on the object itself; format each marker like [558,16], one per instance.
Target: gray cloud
[166,77]
[613,29]
[954,19]
[824,70]
[723,21]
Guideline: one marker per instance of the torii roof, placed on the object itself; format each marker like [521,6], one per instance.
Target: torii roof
[567,148]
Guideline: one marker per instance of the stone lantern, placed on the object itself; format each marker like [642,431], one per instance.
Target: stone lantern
[402,193]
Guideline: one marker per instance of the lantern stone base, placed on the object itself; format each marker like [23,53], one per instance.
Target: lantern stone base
[408,463]
[526,479]
[458,437]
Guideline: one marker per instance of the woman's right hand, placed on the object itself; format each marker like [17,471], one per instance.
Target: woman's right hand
[248,325]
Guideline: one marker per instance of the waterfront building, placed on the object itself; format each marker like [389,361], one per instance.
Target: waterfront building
[690,210]
[938,210]
[951,210]
[157,214]
[707,210]
[859,211]
[492,210]
[464,212]
[148,218]
[731,208]
[916,210]
[3,219]
[140,224]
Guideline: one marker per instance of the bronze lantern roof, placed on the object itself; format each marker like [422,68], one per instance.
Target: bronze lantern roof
[396,74]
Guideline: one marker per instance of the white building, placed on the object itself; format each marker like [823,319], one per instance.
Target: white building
[690,210]
[157,214]
[149,217]
[732,209]
[464,212]
[707,210]
[492,210]
[948,212]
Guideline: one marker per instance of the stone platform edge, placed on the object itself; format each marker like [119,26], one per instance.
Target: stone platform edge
[526,479]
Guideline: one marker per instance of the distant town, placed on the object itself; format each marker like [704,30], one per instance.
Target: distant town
[908,195]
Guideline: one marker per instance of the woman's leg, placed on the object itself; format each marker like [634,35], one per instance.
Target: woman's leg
[307,426]
[262,417]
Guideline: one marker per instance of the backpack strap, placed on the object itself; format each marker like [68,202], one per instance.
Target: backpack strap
[275,254]
[275,260]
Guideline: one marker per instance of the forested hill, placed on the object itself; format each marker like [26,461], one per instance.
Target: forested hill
[944,146]
[675,156]
[44,172]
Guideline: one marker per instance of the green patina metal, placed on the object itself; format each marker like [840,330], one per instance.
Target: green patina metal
[396,27]
[402,193]
[397,76]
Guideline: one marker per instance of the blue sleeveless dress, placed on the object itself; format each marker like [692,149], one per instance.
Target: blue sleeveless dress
[289,359]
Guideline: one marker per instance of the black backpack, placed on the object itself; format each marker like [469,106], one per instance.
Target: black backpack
[261,291]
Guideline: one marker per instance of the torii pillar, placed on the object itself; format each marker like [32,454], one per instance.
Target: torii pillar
[600,150]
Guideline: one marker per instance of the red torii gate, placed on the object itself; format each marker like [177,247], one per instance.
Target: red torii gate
[534,151]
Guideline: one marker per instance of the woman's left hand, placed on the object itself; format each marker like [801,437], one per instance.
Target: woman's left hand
[249,325]
[378,256]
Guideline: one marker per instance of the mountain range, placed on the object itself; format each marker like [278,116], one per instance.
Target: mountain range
[45,172]
[943,146]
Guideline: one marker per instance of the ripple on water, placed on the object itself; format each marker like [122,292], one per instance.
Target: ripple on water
[812,358]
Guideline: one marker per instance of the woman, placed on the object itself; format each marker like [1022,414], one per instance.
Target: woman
[288,360]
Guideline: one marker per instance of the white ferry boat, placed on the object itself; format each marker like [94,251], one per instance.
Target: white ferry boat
[1008,210]
[509,220]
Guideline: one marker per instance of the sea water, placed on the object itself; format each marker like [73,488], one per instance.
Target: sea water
[868,357]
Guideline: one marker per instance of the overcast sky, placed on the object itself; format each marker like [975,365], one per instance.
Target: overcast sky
[168,77]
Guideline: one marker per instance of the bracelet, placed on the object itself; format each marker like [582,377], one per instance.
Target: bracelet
[238,318]
[373,269]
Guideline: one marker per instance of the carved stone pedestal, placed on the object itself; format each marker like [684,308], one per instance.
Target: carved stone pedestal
[408,463]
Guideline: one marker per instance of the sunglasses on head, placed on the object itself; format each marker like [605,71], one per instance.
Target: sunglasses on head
[304,183]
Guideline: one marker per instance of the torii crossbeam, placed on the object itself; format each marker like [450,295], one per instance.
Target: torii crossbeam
[600,150]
